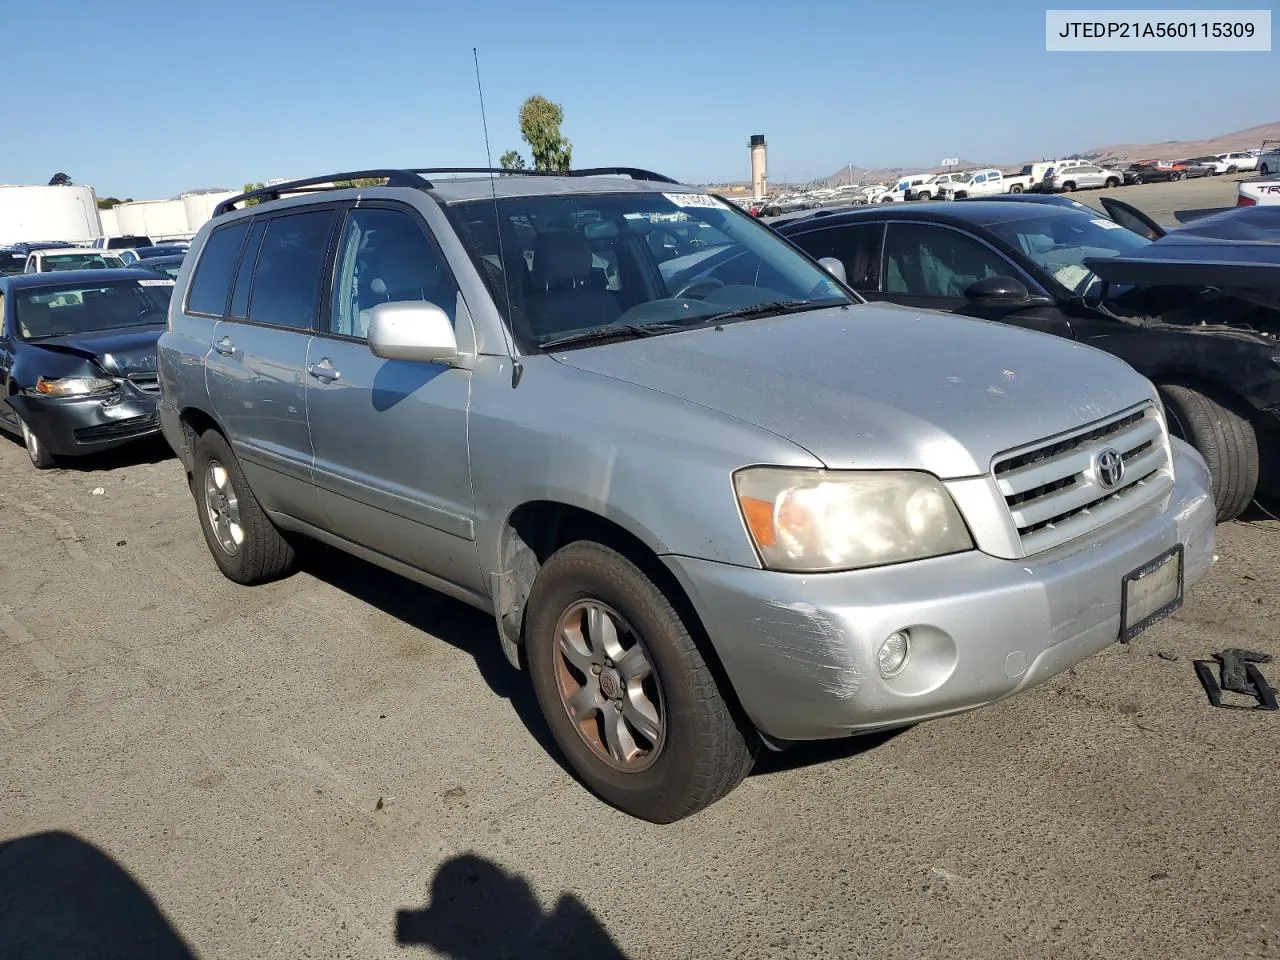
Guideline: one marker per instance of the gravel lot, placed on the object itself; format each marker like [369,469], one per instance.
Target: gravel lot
[342,765]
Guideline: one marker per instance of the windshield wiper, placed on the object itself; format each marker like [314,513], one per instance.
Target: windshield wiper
[761,309]
[612,331]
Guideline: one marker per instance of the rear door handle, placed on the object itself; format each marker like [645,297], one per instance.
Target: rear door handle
[324,371]
[225,346]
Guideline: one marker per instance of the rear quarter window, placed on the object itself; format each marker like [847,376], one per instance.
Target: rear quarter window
[211,284]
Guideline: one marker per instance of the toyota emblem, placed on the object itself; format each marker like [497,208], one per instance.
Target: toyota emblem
[1109,468]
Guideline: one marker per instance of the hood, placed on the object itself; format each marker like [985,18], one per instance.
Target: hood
[1196,262]
[121,352]
[881,387]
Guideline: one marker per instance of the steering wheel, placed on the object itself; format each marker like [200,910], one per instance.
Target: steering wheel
[711,283]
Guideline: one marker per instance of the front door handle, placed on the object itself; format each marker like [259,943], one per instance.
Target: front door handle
[324,371]
[225,346]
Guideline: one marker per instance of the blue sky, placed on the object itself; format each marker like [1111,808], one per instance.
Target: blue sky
[247,91]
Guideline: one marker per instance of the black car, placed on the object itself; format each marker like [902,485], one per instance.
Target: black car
[167,266]
[12,261]
[1204,331]
[131,258]
[78,359]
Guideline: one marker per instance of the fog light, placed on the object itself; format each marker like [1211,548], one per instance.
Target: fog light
[894,652]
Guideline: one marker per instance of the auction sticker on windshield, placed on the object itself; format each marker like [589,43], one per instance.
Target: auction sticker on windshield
[155,283]
[1108,224]
[694,200]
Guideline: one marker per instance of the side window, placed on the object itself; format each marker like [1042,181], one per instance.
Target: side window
[857,246]
[922,260]
[244,277]
[212,280]
[385,257]
[286,277]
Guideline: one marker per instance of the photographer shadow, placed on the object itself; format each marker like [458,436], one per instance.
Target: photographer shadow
[478,911]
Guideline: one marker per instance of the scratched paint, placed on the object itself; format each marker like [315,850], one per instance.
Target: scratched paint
[803,635]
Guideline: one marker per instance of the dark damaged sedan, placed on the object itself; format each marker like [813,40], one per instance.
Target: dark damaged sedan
[1204,327]
[78,359]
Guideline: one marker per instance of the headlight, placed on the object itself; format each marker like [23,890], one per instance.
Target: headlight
[74,386]
[813,520]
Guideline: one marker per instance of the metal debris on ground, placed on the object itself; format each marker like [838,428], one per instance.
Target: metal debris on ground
[1238,673]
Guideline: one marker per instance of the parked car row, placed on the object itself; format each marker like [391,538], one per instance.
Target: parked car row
[715,499]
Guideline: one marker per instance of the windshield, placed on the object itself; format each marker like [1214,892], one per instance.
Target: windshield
[577,262]
[78,308]
[1060,244]
[147,253]
[78,261]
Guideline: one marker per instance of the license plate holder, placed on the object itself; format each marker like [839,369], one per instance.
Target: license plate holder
[1150,593]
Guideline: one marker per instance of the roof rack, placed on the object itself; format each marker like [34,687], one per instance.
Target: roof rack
[413,177]
[635,173]
[394,178]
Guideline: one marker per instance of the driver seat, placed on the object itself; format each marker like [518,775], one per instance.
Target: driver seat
[565,295]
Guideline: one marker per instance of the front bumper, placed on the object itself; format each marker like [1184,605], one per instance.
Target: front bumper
[72,426]
[800,650]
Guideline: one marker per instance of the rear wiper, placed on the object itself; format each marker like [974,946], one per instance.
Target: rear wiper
[612,331]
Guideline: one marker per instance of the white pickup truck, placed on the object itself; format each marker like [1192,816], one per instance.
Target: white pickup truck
[979,183]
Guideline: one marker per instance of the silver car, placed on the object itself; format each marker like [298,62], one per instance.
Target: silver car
[1086,176]
[713,501]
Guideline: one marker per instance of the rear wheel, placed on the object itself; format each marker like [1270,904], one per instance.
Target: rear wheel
[1016,188]
[1217,428]
[625,690]
[1069,187]
[41,458]
[1265,170]
[1232,169]
[244,542]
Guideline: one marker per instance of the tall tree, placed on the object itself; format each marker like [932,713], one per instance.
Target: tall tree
[59,180]
[540,121]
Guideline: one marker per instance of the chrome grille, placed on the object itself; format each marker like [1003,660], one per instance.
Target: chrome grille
[1052,489]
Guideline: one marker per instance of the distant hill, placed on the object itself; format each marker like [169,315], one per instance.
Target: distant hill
[1176,149]
[1116,152]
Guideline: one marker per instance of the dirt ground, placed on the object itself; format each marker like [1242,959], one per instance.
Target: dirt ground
[342,765]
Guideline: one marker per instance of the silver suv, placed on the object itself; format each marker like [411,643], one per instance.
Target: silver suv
[712,499]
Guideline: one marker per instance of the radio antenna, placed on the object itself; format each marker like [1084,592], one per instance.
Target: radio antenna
[517,368]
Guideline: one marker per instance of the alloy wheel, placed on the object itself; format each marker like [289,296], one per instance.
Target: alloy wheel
[223,508]
[608,686]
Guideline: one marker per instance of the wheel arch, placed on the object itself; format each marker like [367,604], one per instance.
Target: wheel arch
[537,528]
[194,421]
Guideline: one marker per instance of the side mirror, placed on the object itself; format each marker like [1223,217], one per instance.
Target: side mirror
[833,267]
[412,330]
[1002,292]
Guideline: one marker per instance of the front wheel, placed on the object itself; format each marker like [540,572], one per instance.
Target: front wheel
[244,542]
[1224,437]
[41,458]
[1112,183]
[1265,170]
[625,690]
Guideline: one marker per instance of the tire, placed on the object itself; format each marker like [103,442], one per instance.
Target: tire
[1016,188]
[1225,439]
[699,752]
[925,196]
[1069,187]
[1111,183]
[1265,170]
[1232,169]
[41,458]
[962,195]
[261,553]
